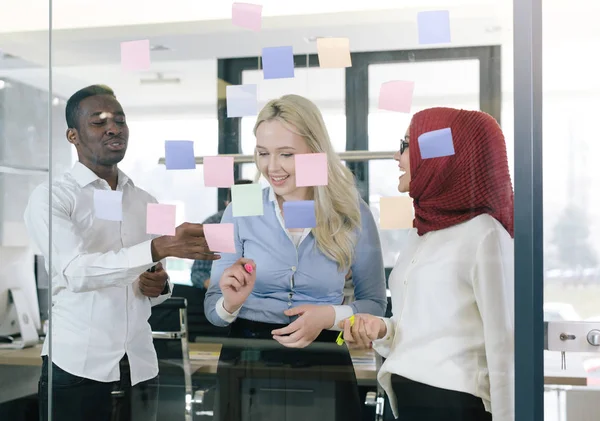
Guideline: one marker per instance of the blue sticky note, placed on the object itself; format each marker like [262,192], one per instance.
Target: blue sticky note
[434,27]
[278,62]
[299,214]
[436,144]
[179,155]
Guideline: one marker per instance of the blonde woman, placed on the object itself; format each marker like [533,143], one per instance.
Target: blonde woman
[294,293]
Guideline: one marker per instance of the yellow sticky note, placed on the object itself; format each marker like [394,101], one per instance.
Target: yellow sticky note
[334,52]
[340,338]
[396,213]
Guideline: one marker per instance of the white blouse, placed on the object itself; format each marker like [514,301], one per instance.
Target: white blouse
[453,314]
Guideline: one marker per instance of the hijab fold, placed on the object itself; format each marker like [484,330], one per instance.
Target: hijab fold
[475,180]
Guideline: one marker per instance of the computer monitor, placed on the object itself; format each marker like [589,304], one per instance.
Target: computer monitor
[19,308]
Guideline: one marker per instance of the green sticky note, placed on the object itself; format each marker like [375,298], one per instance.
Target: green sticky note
[247,200]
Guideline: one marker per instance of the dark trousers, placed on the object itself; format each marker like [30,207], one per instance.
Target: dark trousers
[78,399]
[421,402]
[280,369]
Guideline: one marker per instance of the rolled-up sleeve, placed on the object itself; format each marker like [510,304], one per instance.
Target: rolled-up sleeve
[82,271]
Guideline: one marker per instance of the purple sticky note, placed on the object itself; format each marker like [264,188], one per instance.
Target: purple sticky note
[218,171]
[434,27]
[108,205]
[179,155]
[247,15]
[219,237]
[278,62]
[436,144]
[135,55]
[299,214]
[241,100]
[311,169]
[160,219]
[396,95]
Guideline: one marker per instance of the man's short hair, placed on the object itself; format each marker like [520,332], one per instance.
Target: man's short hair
[72,109]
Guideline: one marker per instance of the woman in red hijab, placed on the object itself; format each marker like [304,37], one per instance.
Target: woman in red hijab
[449,345]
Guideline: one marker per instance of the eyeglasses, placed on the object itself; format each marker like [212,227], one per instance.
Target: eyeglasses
[403,146]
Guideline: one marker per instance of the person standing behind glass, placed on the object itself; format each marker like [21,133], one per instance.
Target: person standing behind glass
[200,274]
[295,293]
[101,291]
[449,346]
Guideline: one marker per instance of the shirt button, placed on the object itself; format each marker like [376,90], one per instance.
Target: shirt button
[413,261]
[289,304]
[293,268]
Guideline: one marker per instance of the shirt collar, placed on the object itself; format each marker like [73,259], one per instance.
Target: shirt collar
[271,194]
[84,176]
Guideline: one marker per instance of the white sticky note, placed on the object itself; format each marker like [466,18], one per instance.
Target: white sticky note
[241,100]
[108,205]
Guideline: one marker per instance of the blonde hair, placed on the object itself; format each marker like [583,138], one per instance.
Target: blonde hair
[337,204]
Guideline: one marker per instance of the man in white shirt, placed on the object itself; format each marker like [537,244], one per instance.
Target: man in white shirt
[106,274]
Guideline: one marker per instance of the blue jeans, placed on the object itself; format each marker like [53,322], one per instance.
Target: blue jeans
[79,399]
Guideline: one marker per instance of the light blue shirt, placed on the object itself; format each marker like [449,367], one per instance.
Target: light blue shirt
[288,277]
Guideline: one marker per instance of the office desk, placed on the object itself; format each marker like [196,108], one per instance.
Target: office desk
[205,356]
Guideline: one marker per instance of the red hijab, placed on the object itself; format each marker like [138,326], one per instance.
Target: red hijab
[475,180]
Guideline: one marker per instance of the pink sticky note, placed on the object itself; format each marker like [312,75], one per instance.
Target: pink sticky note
[396,95]
[219,237]
[311,169]
[135,55]
[247,15]
[218,171]
[160,219]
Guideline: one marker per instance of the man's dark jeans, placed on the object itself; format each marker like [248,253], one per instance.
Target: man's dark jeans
[79,399]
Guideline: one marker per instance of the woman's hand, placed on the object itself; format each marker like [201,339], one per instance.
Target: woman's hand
[364,331]
[237,284]
[305,329]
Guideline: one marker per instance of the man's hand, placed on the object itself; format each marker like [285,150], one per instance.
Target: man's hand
[152,284]
[187,243]
[306,328]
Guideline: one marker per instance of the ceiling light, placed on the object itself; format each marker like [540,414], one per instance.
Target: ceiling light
[160,79]
[159,47]
[2,84]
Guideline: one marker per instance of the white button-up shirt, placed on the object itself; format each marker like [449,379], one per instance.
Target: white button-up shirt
[453,322]
[98,312]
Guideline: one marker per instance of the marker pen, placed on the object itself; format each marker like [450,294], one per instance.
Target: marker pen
[248,268]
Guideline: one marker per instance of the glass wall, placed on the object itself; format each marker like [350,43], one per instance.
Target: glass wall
[571,198]
[94,232]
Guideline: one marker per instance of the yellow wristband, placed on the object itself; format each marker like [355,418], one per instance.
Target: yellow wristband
[340,338]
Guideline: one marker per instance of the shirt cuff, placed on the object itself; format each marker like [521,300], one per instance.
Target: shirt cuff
[341,313]
[224,314]
[389,333]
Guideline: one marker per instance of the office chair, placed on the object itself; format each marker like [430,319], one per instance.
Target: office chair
[170,333]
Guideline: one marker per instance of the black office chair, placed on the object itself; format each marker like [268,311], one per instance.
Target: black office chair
[198,324]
